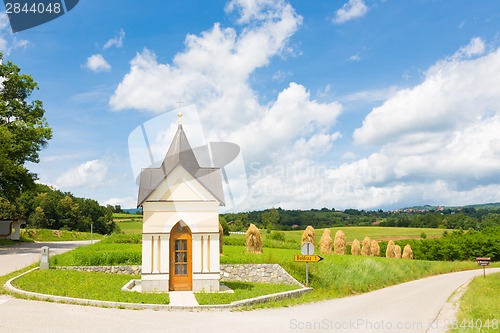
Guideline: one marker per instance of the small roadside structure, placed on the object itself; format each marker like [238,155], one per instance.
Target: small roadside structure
[180,238]
[11,229]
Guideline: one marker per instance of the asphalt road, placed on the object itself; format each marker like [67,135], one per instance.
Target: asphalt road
[408,307]
[20,255]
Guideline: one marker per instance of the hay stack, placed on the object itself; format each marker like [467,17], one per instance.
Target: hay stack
[390,251]
[365,249]
[339,243]
[397,250]
[355,248]
[326,243]
[375,249]
[407,252]
[309,235]
[221,236]
[253,240]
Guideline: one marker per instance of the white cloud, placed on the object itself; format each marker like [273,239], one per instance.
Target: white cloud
[474,48]
[116,41]
[351,10]
[454,93]
[96,63]
[8,41]
[439,140]
[89,174]
[213,72]
[355,57]
[126,202]
[373,95]
[434,142]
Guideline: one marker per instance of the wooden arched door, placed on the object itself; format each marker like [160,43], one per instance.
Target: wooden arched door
[181,266]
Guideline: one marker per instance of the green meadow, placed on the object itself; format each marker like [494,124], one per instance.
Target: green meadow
[335,276]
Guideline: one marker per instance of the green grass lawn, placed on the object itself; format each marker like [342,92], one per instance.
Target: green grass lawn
[335,276]
[97,286]
[242,290]
[128,223]
[130,226]
[126,216]
[111,250]
[479,307]
[47,235]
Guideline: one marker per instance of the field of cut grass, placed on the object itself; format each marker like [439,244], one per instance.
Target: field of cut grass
[129,223]
[292,239]
[479,309]
[126,216]
[375,232]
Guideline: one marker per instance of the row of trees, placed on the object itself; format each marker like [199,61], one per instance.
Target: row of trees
[280,219]
[45,207]
[459,245]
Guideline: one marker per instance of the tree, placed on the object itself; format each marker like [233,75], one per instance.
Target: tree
[23,130]
[270,218]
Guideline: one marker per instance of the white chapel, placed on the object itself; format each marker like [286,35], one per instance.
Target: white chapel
[180,237]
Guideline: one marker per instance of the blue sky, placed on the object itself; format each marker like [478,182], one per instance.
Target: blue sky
[344,104]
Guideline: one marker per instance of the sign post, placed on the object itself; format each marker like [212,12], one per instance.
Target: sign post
[44,259]
[307,256]
[483,262]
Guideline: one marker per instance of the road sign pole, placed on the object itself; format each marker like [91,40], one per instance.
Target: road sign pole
[307,274]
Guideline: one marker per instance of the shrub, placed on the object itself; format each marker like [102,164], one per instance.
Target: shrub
[339,244]
[277,235]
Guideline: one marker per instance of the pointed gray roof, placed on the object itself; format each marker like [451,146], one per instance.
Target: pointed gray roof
[180,153]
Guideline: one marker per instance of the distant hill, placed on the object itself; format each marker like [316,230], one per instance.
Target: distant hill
[133,210]
[493,205]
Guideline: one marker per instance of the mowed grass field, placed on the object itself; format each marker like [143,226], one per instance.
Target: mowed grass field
[293,238]
[335,276]
[132,224]
[129,223]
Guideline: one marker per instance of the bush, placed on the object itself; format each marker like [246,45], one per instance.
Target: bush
[277,235]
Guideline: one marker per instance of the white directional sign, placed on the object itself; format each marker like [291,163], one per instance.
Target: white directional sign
[307,249]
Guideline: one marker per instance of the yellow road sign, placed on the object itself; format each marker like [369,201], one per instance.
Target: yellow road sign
[307,258]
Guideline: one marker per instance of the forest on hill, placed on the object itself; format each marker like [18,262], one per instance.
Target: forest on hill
[423,217]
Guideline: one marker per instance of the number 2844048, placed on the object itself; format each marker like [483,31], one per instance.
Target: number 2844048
[34,8]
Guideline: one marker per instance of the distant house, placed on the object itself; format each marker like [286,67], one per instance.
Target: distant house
[180,238]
